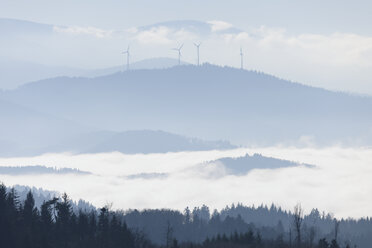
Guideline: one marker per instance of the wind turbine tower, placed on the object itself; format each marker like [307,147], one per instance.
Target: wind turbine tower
[241,58]
[127,53]
[197,51]
[179,53]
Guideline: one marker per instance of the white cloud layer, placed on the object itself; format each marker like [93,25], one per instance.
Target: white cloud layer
[76,30]
[340,183]
[219,25]
[156,35]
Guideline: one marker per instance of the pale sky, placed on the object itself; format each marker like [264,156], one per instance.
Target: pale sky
[296,16]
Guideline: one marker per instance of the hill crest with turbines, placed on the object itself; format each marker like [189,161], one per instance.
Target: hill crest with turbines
[208,102]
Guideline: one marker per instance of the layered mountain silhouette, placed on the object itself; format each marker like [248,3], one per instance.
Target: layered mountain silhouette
[208,102]
[136,141]
[26,132]
[146,141]
[21,27]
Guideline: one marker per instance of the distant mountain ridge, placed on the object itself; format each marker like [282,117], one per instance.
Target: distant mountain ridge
[26,132]
[134,141]
[22,27]
[17,73]
[210,102]
[148,141]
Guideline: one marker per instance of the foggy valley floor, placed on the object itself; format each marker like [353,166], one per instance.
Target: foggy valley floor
[332,179]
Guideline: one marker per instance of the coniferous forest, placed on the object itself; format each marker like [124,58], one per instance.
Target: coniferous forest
[55,224]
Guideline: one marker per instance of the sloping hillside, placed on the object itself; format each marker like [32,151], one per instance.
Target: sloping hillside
[209,102]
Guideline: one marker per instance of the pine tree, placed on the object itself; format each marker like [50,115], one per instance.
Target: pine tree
[103,228]
[63,217]
[30,217]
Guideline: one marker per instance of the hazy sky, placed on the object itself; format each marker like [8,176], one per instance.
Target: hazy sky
[296,16]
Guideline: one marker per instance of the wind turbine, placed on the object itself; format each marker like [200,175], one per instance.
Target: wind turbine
[179,53]
[127,53]
[197,51]
[241,58]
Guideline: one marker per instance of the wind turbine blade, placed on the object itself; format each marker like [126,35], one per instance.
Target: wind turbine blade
[181,47]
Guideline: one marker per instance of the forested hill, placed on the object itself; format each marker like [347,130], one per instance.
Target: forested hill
[56,224]
[245,107]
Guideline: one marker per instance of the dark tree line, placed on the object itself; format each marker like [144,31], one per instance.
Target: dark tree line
[254,240]
[171,229]
[197,225]
[56,225]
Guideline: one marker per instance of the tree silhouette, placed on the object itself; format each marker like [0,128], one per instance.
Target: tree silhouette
[56,225]
[298,218]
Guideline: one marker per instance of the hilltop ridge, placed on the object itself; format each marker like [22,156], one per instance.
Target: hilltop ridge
[208,102]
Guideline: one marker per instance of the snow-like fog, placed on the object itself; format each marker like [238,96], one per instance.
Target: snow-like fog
[339,183]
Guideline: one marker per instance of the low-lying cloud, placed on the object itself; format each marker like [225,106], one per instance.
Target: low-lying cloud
[339,183]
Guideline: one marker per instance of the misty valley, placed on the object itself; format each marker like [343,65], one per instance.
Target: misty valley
[129,127]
